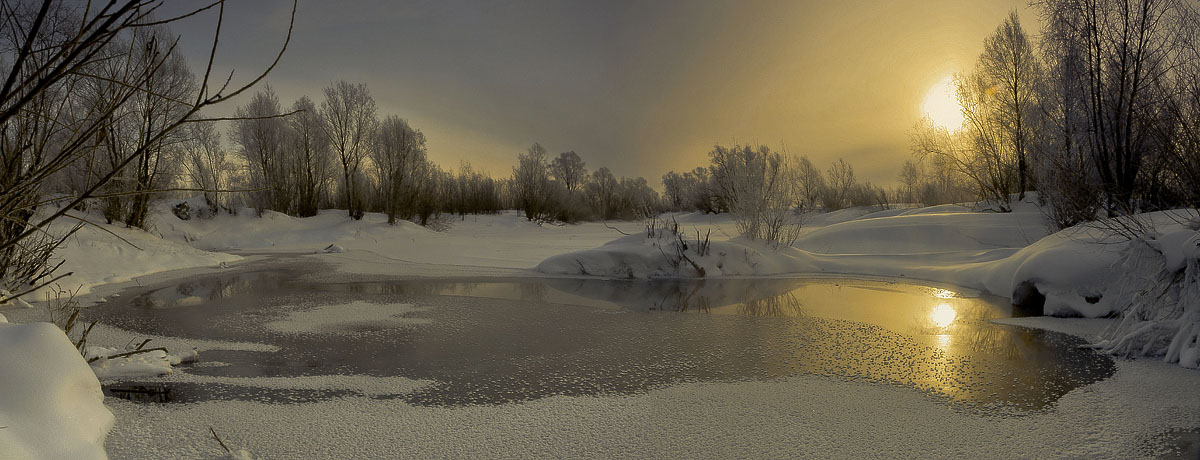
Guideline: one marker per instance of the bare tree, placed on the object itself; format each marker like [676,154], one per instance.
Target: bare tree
[50,48]
[1010,70]
[840,181]
[1122,51]
[165,99]
[399,155]
[312,158]
[259,133]
[349,115]
[205,163]
[531,183]
[570,170]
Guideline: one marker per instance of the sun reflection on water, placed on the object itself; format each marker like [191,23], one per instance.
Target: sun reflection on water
[944,294]
[943,315]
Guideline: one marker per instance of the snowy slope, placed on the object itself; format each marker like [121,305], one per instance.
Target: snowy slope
[1076,269]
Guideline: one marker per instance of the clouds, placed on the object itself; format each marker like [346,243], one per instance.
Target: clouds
[640,86]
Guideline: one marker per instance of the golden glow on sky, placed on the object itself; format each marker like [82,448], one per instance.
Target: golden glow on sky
[941,106]
[942,315]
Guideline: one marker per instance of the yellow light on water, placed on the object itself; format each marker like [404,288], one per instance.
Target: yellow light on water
[942,315]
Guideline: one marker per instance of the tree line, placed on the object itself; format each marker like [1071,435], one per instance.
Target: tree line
[1100,116]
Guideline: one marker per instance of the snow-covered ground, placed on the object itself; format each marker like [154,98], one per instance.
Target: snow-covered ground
[990,252]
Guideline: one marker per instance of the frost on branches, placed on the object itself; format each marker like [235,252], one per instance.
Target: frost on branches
[1162,291]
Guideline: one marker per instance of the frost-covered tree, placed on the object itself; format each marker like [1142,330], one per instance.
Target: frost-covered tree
[810,181]
[310,156]
[349,115]
[602,192]
[762,191]
[838,184]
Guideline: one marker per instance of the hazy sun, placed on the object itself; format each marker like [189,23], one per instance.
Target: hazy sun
[941,106]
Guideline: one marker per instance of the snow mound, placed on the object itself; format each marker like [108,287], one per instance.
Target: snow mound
[671,255]
[107,362]
[924,231]
[333,249]
[52,406]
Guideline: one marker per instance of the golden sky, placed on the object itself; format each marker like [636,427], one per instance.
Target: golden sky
[640,87]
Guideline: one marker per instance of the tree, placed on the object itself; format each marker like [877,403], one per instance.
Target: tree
[259,134]
[399,154]
[531,183]
[162,102]
[761,188]
[57,112]
[312,158]
[1118,55]
[205,163]
[810,181]
[602,192]
[998,102]
[838,185]
[1009,70]
[570,170]
[349,115]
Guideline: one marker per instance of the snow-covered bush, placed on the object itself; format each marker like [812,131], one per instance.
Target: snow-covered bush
[761,189]
[1162,291]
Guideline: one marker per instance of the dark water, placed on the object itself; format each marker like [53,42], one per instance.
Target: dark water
[498,341]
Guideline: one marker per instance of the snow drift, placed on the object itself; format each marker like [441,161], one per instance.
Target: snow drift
[52,406]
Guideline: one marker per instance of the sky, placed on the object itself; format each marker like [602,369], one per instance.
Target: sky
[643,87]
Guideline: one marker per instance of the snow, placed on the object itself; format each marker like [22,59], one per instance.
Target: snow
[804,416]
[150,363]
[504,242]
[105,254]
[1076,270]
[52,406]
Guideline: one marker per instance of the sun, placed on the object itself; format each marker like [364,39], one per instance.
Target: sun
[941,106]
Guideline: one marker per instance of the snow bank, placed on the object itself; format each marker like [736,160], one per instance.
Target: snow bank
[1162,291]
[666,256]
[507,240]
[1075,272]
[113,254]
[51,406]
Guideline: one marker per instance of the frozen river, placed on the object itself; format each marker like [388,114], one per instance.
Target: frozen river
[498,341]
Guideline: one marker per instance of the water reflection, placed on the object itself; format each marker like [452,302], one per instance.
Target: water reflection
[488,341]
[942,315]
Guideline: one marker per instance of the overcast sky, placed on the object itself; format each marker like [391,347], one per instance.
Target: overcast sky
[640,87]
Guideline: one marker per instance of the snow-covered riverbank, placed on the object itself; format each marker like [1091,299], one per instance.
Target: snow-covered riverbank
[947,245]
